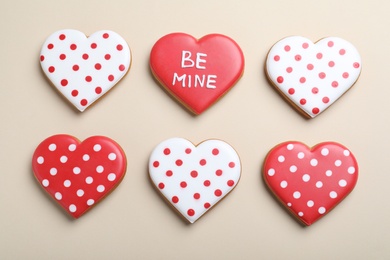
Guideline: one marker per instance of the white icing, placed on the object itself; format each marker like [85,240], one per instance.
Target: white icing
[92,60]
[226,160]
[295,60]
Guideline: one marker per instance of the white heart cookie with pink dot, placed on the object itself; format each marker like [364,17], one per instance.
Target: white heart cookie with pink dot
[313,75]
[84,68]
[194,178]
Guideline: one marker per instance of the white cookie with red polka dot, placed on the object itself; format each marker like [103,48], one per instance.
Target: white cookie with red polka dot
[194,178]
[84,68]
[312,76]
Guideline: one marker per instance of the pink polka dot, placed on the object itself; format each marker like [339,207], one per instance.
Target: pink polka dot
[98,66]
[331,64]
[93,45]
[335,84]
[298,57]
[73,46]
[302,80]
[232,165]
[325,100]
[196,196]
[230,183]
[88,78]
[218,172]
[218,192]
[194,174]
[345,75]
[161,185]
[289,69]
[215,151]
[183,184]
[83,102]
[122,67]
[280,79]
[175,199]
[76,67]
[107,56]
[156,164]
[98,90]
[106,35]
[342,52]
[64,82]
[42,58]
[322,75]
[319,55]
[291,91]
[62,37]
[167,151]
[119,47]
[191,212]
[287,48]
[85,56]
[202,162]
[302,101]
[188,151]
[330,44]
[50,46]
[276,58]
[62,57]
[314,90]
[310,66]
[51,69]
[111,78]
[316,110]
[305,45]
[169,173]
[179,162]
[206,183]
[207,205]
[356,65]
[75,93]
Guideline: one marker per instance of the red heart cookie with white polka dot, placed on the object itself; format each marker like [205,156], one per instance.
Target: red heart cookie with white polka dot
[313,76]
[78,175]
[197,72]
[84,69]
[194,178]
[310,182]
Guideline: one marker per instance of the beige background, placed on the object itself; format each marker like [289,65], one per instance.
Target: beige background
[134,222]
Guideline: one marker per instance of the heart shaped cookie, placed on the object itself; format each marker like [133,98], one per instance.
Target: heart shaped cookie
[310,181]
[197,72]
[194,178]
[84,69]
[78,175]
[312,76]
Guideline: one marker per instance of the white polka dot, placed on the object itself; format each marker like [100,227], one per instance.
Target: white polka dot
[321,210]
[325,151]
[45,183]
[271,172]
[52,147]
[351,170]
[343,183]
[89,180]
[90,202]
[76,170]
[313,162]
[67,183]
[72,147]
[337,163]
[301,155]
[310,203]
[100,188]
[346,153]
[328,173]
[333,194]
[300,214]
[281,158]
[319,184]
[112,156]
[283,184]
[297,195]
[111,177]
[306,177]
[289,204]
[293,168]
[53,171]
[63,159]
[86,157]
[290,147]
[72,208]
[97,147]
[58,196]
[99,169]
[80,193]
[40,160]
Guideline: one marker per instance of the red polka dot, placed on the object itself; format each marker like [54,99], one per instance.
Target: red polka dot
[75,67]
[122,67]
[302,101]
[325,100]
[218,192]
[169,173]
[188,151]
[107,56]
[64,82]
[194,174]
[315,110]
[88,78]
[322,75]
[93,45]
[196,196]
[50,46]
[232,165]
[218,172]
[330,44]
[98,66]
[62,57]
[62,37]
[183,184]
[161,185]
[85,56]
[280,79]
[207,205]
[298,57]
[289,69]
[156,164]
[291,91]
[335,84]
[302,80]
[356,65]
[314,90]
[175,199]
[106,35]
[287,48]
[305,45]
[206,183]
[319,55]
[202,162]
[230,183]
[83,102]
[342,52]
[191,212]
[74,93]
[98,90]
[331,64]
[345,75]
[73,46]
[310,66]
[42,58]
[179,162]
[276,58]
[111,77]
[215,151]
[51,69]
[119,47]
[167,151]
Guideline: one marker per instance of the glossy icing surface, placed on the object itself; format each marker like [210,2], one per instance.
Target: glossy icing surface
[310,182]
[313,75]
[83,69]
[197,72]
[77,175]
[194,178]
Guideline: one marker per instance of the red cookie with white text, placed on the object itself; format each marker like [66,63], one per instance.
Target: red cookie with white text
[78,175]
[310,182]
[197,72]
[312,76]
